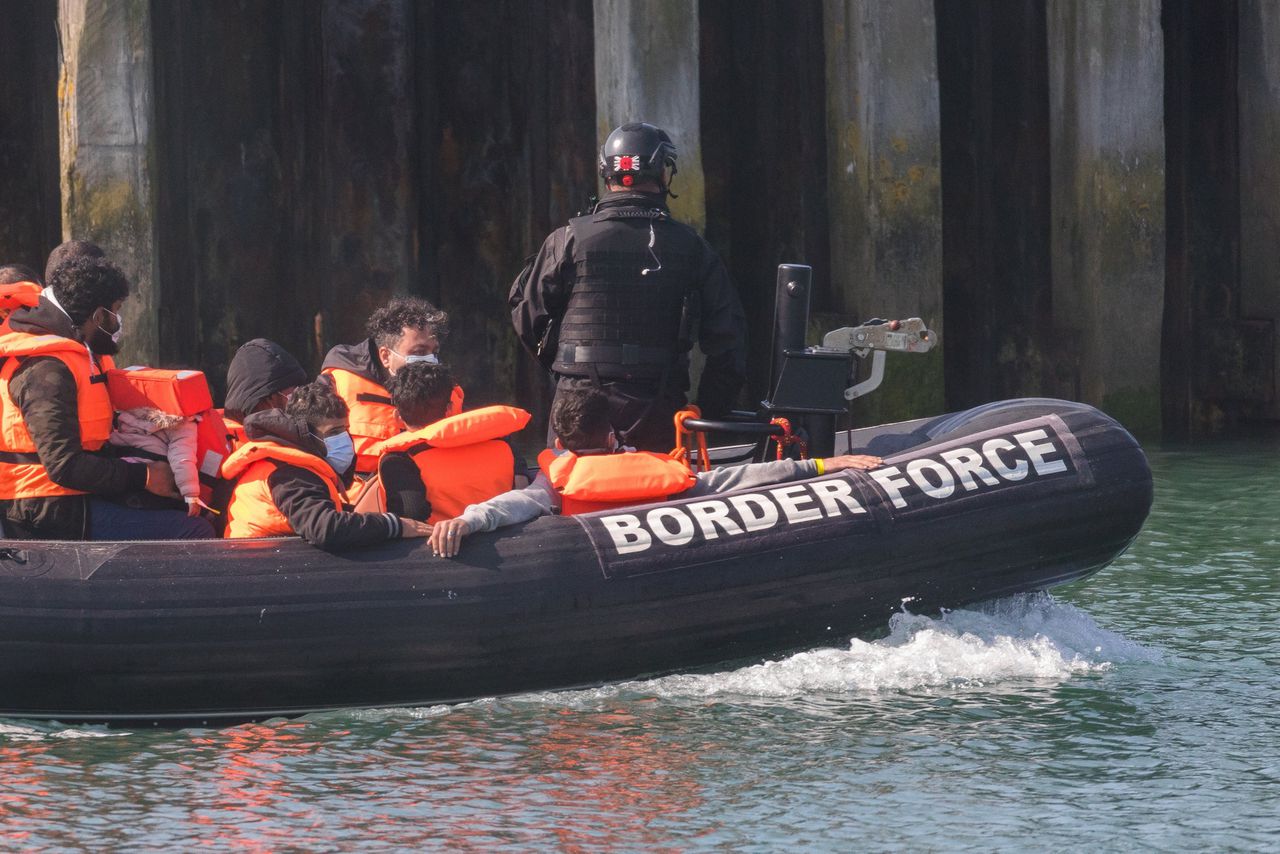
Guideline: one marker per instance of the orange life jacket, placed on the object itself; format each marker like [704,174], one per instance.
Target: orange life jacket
[235,430]
[603,481]
[251,512]
[372,417]
[15,296]
[184,393]
[462,458]
[21,473]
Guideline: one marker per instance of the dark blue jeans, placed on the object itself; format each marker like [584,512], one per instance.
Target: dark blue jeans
[111,521]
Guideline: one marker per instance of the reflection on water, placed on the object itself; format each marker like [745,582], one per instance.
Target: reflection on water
[1137,709]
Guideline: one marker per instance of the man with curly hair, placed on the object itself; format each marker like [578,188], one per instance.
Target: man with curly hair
[404,331]
[56,416]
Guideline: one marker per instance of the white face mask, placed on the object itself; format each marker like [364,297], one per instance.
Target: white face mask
[119,333]
[429,358]
[340,452]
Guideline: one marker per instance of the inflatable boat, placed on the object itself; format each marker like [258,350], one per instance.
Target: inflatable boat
[1010,497]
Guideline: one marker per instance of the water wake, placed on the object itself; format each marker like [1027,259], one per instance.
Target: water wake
[1020,637]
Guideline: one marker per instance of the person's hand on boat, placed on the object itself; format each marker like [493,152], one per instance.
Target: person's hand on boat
[413,529]
[850,461]
[446,537]
[160,480]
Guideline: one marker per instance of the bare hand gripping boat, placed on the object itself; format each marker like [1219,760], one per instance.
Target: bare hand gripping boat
[1010,497]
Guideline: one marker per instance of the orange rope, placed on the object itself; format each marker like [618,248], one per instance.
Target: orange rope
[788,438]
[686,439]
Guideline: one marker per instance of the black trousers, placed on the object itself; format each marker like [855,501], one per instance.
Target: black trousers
[640,419]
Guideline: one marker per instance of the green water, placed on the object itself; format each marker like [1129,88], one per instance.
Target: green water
[1135,710]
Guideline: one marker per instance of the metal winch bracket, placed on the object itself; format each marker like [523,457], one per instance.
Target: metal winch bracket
[877,337]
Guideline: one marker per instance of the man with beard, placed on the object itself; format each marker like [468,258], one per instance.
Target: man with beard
[55,415]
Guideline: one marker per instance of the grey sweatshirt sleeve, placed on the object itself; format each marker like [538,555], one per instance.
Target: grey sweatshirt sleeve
[750,475]
[512,508]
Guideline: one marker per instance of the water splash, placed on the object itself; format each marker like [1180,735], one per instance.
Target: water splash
[14,732]
[1017,638]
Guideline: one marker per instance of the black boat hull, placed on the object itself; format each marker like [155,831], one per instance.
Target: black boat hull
[201,631]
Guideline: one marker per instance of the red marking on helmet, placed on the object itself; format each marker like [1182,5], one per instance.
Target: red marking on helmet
[628,180]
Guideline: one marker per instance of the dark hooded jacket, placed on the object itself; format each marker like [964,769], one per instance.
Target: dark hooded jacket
[259,369]
[45,391]
[303,497]
[359,359]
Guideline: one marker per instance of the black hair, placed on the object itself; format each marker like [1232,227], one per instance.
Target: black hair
[66,251]
[11,274]
[84,284]
[316,402]
[387,324]
[580,418]
[421,393]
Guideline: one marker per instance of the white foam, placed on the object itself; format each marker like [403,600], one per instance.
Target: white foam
[18,732]
[1025,637]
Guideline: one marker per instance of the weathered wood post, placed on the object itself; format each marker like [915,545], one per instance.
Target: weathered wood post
[1106,65]
[647,70]
[1259,90]
[884,153]
[108,150]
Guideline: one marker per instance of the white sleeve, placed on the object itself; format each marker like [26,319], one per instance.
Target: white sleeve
[513,507]
[748,475]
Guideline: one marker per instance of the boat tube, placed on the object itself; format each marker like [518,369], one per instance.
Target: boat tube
[1010,497]
[1014,497]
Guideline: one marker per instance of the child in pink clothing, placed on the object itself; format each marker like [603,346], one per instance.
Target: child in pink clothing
[171,437]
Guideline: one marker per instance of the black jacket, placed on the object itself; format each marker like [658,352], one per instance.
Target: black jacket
[360,359]
[539,299]
[45,391]
[303,497]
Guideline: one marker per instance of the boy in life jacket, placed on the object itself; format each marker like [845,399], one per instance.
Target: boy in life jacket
[287,477]
[405,331]
[55,415]
[446,460]
[588,471]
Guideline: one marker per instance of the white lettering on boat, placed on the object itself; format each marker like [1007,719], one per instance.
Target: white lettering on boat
[958,471]
[731,516]
[984,464]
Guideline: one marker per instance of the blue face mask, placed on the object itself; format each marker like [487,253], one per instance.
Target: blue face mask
[340,452]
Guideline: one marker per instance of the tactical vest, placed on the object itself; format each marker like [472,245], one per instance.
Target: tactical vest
[22,475]
[603,481]
[251,512]
[462,458]
[621,322]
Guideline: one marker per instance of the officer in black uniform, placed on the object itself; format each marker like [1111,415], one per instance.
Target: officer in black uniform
[617,298]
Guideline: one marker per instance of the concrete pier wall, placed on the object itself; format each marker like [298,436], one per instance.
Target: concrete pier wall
[108,151]
[1259,89]
[30,200]
[647,69]
[1069,191]
[1108,215]
[883,162]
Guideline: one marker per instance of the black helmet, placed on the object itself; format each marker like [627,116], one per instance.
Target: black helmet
[637,151]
